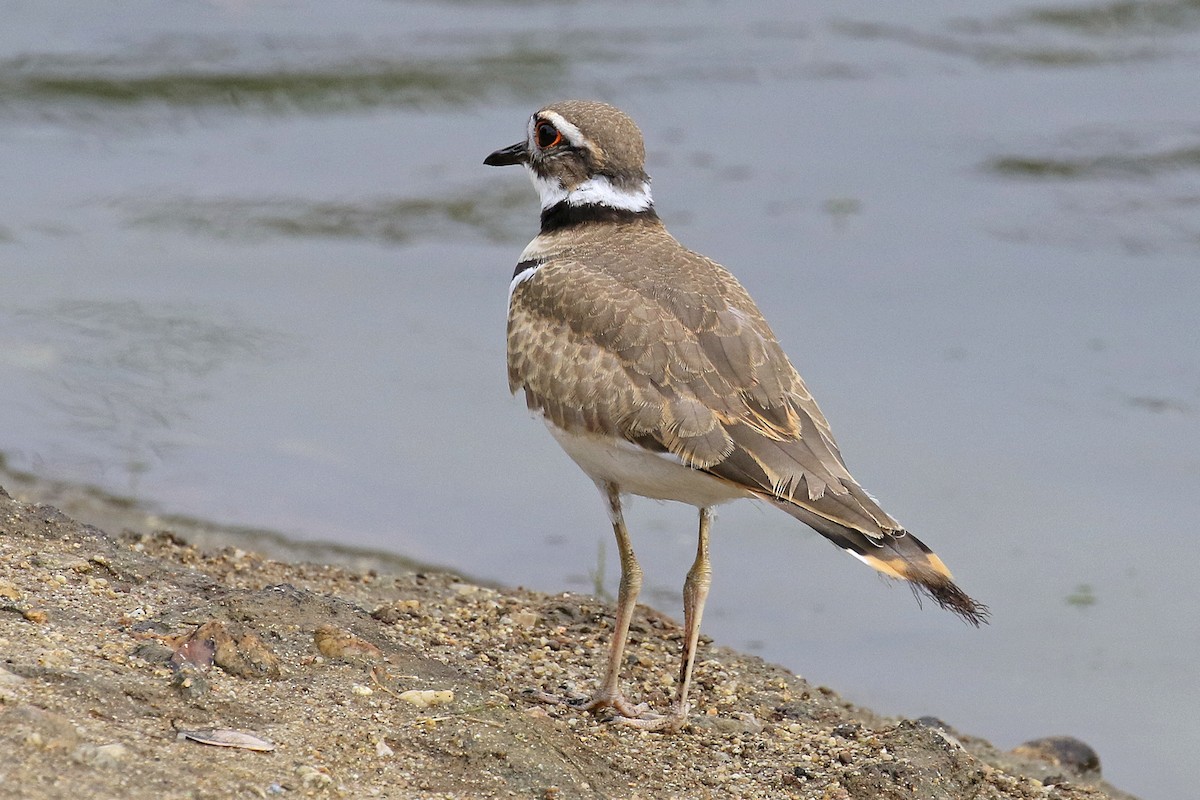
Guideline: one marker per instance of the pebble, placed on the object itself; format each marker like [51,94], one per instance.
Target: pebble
[105,755]
[738,724]
[313,777]
[235,649]
[525,619]
[1062,751]
[333,642]
[190,682]
[425,698]
[153,652]
[394,612]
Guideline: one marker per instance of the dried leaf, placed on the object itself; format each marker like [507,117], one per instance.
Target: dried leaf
[228,737]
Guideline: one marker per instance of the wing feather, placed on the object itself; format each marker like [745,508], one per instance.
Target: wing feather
[604,342]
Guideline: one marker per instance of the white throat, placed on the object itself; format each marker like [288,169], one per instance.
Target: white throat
[597,191]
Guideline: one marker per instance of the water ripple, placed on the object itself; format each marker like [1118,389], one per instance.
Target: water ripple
[1052,36]
[498,215]
[50,84]
[1116,164]
[1123,18]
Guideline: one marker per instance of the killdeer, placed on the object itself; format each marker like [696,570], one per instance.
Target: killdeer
[658,375]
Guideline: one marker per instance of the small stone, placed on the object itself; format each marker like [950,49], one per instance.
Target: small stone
[933,722]
[190,682]
[749,722]
[313,777]
[525,619]
[736,725]
[383,750]
[9,591]
[152,652]
[362,691]
[235,649]
[944,732]
[333,642]
[105,755]
[394,612]
[849,730]
[426,698]
[1062,751]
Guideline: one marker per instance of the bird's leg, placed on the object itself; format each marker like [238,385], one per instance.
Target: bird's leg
[695,592]
[609,695]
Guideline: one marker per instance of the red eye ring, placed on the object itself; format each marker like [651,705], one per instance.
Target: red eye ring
[547,136]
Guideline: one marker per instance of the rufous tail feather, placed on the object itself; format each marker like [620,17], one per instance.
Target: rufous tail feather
[897,554]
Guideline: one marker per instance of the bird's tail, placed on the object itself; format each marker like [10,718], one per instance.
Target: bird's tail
[897,554]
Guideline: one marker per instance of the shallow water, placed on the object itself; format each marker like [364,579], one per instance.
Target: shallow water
[252,269]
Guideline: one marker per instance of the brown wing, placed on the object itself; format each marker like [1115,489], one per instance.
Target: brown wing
[594,356]
[680,361]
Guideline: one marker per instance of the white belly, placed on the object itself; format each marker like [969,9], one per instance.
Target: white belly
[637,471]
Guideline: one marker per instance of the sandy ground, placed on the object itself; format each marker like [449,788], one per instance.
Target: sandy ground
[122,655]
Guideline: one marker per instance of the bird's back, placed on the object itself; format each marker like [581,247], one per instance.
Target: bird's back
[622,331]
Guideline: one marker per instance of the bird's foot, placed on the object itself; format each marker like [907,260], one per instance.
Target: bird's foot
[600,700]
[617,702]
[627,714]
[637,716]
[660,723]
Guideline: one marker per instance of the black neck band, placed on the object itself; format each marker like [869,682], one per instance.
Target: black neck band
[525,266]
[562,215]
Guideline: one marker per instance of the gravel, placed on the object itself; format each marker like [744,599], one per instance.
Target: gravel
[122,655]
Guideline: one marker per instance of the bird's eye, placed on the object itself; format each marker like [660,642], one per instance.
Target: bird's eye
[547,135]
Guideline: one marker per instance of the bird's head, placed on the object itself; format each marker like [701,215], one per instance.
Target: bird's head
[582,153]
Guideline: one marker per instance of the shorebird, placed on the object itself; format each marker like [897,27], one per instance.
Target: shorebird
[658,375]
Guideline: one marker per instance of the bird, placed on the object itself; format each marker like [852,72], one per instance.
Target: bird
[658,375]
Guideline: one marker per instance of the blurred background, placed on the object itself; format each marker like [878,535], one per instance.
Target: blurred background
[252,269]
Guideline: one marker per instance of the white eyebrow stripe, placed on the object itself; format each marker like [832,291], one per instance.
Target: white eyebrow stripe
[573,134]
